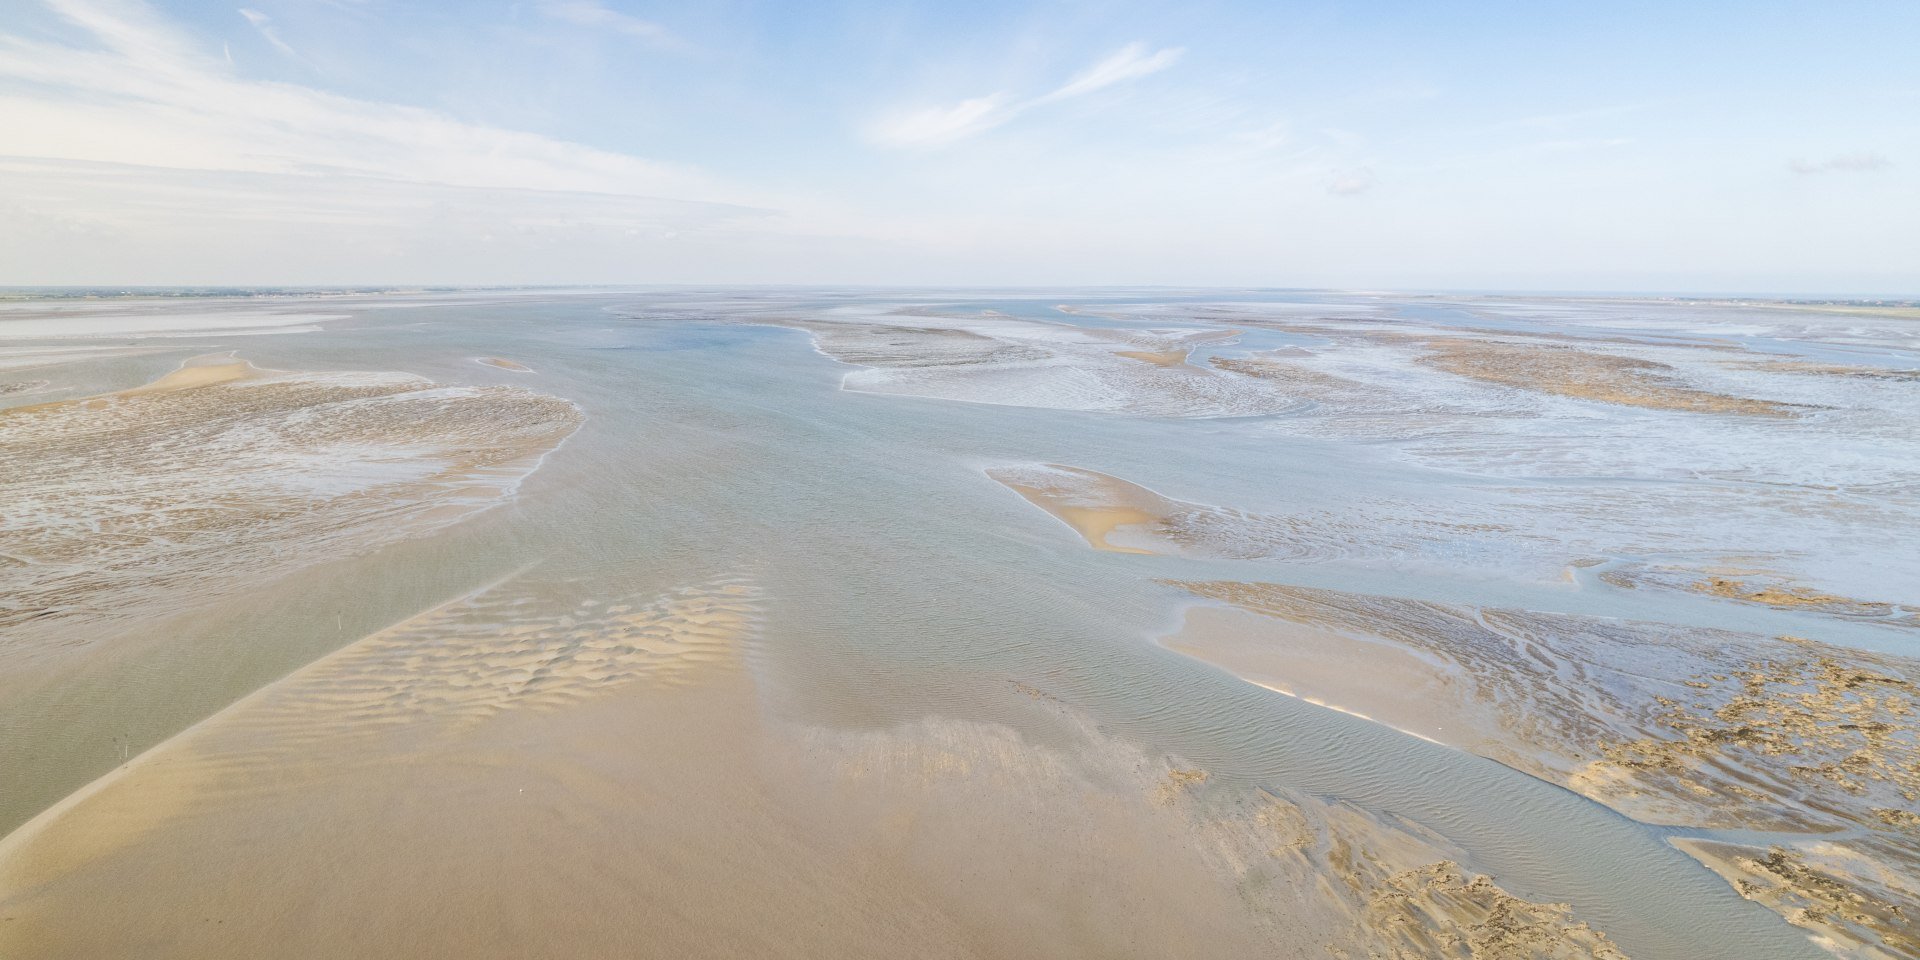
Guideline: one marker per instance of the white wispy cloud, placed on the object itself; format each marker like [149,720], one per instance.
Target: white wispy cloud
[592,13]
[139,132]
[144,94]
[1130,62]
[1845,163]
[263,25]
[934,126]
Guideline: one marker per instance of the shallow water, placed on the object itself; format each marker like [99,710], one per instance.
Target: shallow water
[897,584]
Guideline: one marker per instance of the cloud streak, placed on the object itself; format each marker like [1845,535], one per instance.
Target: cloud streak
[147,97]
[1845,163]
[263,25]
[133,132]
[937,126]
[599,16]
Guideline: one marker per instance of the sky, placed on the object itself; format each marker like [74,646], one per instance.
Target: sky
[1746,146]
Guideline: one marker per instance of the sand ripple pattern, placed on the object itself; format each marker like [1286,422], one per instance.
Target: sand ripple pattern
[508,649]
[150,500]
[1684,726]
[1315,872]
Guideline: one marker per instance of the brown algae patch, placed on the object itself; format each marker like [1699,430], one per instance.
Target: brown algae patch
[1761,588]
[504,364]
[1830,718]
[1586,375]
[1316,877]
[1176,783]
[1670,725]
[1776,592]
[1852,904]
[1374,886]
[1770,595]
[1439,911]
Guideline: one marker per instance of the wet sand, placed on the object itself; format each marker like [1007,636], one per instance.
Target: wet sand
[1096,506]
[1006,361]
[1323,667]
[1159,358]
[610,759]
[1586,375]
[1119,516]
[126,509]
[1760,587]
[1818,745]
[711,679]
[153,495]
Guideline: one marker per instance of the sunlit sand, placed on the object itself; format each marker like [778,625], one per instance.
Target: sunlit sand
[748,627]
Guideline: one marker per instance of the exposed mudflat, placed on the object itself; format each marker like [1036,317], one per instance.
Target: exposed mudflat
[219,475]
[705,623]
[1819,745]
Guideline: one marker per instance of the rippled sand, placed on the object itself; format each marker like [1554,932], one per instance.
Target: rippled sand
[1687,727]
[509,772]
[219,474]
[125,510]
[757,667]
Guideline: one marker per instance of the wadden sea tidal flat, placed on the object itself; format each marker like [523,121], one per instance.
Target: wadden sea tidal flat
[817,623]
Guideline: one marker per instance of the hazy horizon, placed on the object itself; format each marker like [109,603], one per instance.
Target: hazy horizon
[31,291]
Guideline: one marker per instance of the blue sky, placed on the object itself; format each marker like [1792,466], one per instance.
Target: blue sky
[1736,147]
